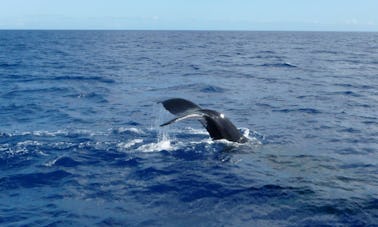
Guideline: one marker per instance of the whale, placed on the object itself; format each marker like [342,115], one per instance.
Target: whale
[217,124]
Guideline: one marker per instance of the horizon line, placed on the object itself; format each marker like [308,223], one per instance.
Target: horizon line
[182,30]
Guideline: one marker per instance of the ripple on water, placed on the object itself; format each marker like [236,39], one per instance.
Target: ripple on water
[35,179]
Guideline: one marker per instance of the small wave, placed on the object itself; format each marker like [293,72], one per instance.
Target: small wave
[121,130]
[212,89]
[273,57]
[301,110]
[202,87]
[350,130]
[347,93]
[9,65]
[267,52]
[85,78]
[61,132]
[31,180]
[52,90]
[29,143]
[195,67]
[164,145]
[265,105]
[63,162]
[359,86]
[130,143]
[15,148]
[326,52]
[8,152]
[278,65]
[38,133]
[47,133]
[92,96]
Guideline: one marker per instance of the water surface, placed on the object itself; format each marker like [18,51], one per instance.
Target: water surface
[80,145]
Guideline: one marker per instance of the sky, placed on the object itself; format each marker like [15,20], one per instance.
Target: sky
[282,15]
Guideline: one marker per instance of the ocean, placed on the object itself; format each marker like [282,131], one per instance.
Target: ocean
[80,142]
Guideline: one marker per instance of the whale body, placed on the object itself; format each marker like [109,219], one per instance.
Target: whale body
[218,126]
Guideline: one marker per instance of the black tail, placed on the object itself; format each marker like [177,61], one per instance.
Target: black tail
[179,106]
[218,126]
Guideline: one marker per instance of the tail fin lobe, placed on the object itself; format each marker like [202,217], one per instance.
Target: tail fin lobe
[178,106]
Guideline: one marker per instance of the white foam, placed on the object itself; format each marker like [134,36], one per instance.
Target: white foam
[52,162]
[61,132]
[129,144]
[17,151]
[245,132]
[42,153]
[130,129]
[47,133]
[4,147]
[254,141]
[251,136]
[28,142]
[159,146]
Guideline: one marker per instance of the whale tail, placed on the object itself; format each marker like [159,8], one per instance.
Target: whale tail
[182,108]
[179,106]
[218,126]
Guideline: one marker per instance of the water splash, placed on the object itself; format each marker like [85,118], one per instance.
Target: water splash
[162,132]
[163,140]
[254,137]
[164,145]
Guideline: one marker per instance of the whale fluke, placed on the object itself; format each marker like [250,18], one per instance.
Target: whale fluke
[179,106]
[218,126]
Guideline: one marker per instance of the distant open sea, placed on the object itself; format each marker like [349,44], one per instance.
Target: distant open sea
[80,143]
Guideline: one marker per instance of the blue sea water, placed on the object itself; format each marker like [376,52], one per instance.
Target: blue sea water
[80,143]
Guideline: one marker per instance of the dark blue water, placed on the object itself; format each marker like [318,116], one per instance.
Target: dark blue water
[79,142]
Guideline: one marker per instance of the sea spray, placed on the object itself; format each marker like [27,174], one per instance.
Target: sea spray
[161,132]
[163,140]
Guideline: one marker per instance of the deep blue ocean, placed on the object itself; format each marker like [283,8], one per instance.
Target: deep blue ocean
[80,142]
